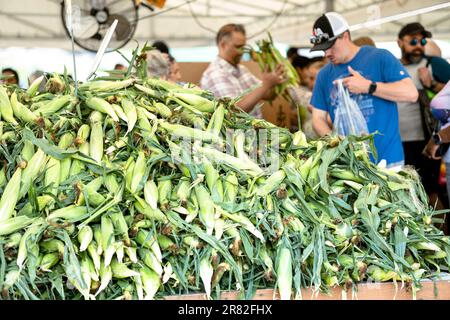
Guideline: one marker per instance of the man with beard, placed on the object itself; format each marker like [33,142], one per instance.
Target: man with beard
[375,79]
[430,74]
[226,77]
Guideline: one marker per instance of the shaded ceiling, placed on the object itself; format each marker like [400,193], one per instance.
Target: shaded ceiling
[181,23]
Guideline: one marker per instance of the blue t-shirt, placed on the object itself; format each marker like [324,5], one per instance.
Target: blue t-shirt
[377,65]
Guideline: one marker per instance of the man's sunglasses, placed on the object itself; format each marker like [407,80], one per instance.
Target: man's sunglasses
[324,37]
[415,42]
[321,38]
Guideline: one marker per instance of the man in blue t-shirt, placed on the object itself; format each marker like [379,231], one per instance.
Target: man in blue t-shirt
[374,77]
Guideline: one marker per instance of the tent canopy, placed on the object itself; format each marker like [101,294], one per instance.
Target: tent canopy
[191,23]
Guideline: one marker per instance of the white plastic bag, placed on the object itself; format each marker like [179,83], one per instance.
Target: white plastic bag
[348,119]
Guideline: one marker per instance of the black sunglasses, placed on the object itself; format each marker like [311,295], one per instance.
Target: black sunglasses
[415,42]
[324,37]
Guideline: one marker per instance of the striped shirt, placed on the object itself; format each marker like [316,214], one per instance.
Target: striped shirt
[225,80]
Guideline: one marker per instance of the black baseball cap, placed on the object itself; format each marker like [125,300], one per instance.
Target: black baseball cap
[413,28]
[326,29]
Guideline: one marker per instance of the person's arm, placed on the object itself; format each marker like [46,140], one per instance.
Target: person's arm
[431,148]
[398,91]
[428,82]
[265,91]
[437,87]
[320,122]
[249,101]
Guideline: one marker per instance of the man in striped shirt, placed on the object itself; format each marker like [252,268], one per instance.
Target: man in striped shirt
[226,77]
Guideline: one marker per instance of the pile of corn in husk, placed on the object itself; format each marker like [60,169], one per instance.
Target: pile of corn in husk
[126,192]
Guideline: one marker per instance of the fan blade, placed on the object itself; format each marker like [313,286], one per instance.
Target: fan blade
[87,28]
[123,29]
[98,4]
[103,46]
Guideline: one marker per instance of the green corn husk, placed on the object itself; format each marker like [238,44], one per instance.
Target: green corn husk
[106,86]
[102,106]
[206,273]
[70,213]
[53,245]
[5,107]
[49,260]
[207,210]
[121,271]
[34,87]
[11,225]
[130,111]
[10,196]
[194,101]
[150,260]
[284,273]
[85,236]
[164,190]
[150,282]
[138,173]
[96,146]
[20,111]
[54,105]
[142,207]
